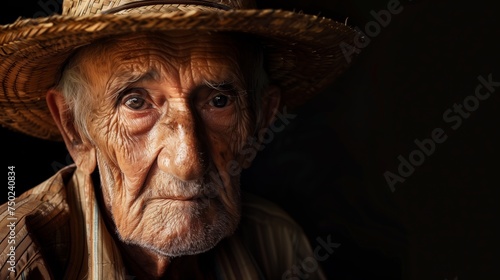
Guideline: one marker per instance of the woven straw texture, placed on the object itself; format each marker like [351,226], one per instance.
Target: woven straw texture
[302,51]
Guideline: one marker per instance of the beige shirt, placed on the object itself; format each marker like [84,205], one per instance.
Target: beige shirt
[56,231]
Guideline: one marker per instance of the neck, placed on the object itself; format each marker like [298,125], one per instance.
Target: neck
[142,262]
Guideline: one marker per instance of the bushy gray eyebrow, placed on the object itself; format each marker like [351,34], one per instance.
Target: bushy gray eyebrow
[120,82]
[225,86]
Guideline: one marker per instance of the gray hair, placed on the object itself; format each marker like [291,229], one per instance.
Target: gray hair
[75,88]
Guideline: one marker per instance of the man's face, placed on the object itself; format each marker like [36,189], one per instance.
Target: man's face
[168,121]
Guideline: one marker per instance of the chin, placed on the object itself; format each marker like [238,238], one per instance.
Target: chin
[175,228]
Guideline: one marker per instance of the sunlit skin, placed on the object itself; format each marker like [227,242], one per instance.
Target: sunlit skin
[162,138]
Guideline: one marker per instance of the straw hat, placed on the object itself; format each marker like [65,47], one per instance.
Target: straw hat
[302,51]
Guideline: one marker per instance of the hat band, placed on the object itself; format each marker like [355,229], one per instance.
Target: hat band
[138,4]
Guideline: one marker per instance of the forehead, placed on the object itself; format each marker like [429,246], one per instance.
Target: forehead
[143,52]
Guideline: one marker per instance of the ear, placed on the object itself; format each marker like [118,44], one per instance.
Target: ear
[271,101]
[81,150]
[270,104]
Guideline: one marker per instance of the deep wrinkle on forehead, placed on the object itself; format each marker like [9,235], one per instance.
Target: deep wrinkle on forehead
[192,60]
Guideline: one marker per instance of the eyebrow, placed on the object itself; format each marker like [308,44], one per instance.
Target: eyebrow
[123,79]
[224,85]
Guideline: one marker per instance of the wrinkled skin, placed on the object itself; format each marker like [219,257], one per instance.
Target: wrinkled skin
[163,141]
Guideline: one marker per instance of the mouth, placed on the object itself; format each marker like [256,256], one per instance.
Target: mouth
[181,198]
[192,198]
[168,188]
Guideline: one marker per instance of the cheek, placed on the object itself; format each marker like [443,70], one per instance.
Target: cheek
[126,157]
[134,158]
[124,170]
[227,152]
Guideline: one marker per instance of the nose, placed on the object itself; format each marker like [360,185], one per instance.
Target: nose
[182,155]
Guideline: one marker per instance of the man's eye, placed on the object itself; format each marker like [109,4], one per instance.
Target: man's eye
[136,103]
[220,101]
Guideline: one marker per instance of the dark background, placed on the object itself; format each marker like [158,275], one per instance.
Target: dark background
[327,168]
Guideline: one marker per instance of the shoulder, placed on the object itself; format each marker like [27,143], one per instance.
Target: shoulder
[40,200]
[50,188]
[49,194]
[31,221]
[274,239]
[261,212]
[265,222]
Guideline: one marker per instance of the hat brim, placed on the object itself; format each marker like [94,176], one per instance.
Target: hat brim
[302,52]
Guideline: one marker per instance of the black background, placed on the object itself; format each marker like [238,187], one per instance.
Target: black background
[327,168]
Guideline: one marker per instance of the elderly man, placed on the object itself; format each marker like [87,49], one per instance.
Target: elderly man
[160,104]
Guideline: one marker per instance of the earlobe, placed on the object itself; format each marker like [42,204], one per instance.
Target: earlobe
[87,160]
[272,98]
[81,150]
